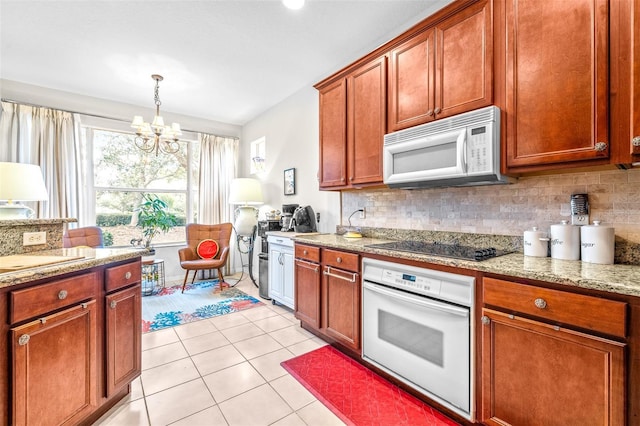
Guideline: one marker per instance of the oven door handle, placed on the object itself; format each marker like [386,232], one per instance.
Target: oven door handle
[422,301]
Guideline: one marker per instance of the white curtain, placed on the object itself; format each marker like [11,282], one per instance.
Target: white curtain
[48,138]
[218,167]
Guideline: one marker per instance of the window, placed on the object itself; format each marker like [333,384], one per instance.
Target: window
[122,173]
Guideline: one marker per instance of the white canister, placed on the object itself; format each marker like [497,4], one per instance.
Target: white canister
[565,241]
[535,243]
[597,243]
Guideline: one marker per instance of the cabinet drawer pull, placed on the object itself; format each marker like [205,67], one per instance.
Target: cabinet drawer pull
[601,146]
[113,304]
[305,252]
[127,275]
[62,294]
[485,320]
[540,303]
[24,339]
[43,321]
[635,141]
[308,265]
[339,259]
[329,273]
[430,113]
[437,111]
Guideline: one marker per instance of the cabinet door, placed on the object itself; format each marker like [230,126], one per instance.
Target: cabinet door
[635,80]
[367,121]
[333,135]
[54,367]
[556,83]
[276,278]
[412,82]
[123,336]
[307,294]
[341,302]
[288,288]
[537,374]
[464,61]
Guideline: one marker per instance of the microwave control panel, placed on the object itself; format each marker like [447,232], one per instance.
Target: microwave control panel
[479,155]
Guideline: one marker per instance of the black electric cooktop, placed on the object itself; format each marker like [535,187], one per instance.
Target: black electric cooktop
[444,250]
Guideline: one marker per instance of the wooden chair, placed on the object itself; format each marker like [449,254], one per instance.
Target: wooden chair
[189,259]
[89,236]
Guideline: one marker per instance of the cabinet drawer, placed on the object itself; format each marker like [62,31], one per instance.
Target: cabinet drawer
[588,312]
[42,299]
[121,276]
[310,253]
[342,260]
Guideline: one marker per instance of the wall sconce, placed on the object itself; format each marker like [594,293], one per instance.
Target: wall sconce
[258,156]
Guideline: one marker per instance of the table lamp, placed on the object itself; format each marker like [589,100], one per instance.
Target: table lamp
[246,193]
[20,182]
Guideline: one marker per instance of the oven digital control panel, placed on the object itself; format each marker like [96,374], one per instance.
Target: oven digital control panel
[412,283]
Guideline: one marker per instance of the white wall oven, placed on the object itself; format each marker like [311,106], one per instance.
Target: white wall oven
[417,326]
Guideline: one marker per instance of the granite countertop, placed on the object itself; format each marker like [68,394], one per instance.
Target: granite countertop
[621,279]
[89,258]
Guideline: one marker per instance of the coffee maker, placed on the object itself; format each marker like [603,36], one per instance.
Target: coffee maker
[287,216]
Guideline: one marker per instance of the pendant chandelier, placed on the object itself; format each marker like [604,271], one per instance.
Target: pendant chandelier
[156,136]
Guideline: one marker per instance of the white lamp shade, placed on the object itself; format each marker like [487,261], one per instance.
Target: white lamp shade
[21,182]
[246,192]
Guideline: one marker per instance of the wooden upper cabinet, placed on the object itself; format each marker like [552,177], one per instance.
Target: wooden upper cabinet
[625,80]
[634,113]
[443,71]
[464,61]
[353,114]
[366,121]
[411,82]
[333,135]
[556,75]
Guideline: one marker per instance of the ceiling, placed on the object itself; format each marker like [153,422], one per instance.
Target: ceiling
[226,61]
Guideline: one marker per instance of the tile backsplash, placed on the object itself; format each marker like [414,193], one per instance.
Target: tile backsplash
[614,199]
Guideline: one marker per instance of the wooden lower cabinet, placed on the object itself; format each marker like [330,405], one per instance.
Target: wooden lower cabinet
[545,360]
[123,338]
[307,292]
[328,294]
[535,373]
[74,345]
[341,306]
[54,367]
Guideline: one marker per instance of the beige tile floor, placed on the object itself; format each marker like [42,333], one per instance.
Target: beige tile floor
[224,371]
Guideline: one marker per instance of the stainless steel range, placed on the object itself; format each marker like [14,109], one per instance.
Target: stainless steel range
[445,250]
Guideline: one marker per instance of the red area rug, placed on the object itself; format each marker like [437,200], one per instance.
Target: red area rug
[356,394]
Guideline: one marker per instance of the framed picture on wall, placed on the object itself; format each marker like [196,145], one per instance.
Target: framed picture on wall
[289,181]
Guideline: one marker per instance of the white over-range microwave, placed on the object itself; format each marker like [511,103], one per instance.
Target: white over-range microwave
[461,150]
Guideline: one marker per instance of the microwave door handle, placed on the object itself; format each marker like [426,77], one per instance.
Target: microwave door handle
[463,153]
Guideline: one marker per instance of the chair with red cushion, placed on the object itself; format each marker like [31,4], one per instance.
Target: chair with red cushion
[89,236]
[191,260]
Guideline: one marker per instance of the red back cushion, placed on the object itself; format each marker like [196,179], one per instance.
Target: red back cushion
[207,249]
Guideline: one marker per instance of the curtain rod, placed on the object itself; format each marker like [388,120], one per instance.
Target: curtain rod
[11,101]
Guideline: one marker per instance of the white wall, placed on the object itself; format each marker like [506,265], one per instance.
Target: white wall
[291,132]
[36,95]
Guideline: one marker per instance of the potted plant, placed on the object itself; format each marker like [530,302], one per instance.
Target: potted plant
[153,218]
